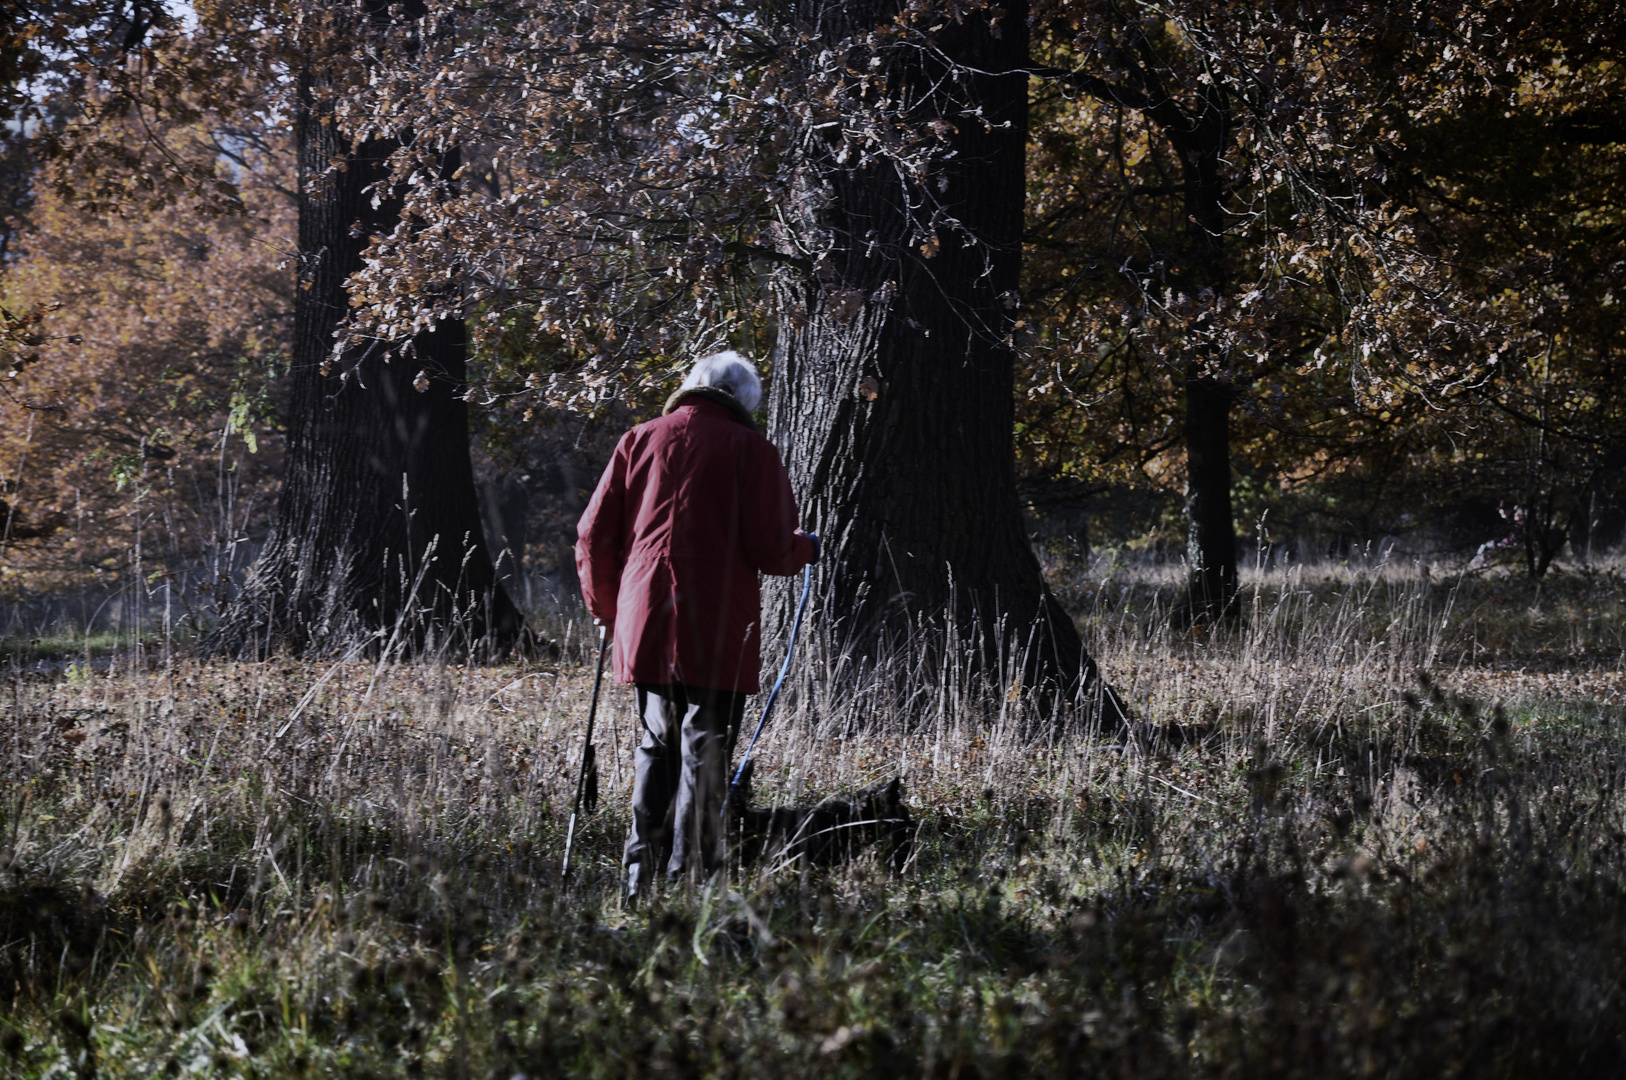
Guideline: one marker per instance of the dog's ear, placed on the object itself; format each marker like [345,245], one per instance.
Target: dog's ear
[742,790]
[894,792]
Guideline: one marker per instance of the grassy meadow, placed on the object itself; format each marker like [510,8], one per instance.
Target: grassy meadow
[1374,830]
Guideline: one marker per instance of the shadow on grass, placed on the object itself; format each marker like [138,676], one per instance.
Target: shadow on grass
[1282,947]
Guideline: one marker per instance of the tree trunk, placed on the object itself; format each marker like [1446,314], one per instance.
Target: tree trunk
[1582,524]
[893,382]
[377,530]
[1211,534]
[1211,583]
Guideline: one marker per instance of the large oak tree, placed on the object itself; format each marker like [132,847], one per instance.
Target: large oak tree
[854,169]
[377,532]
[894,386]
[1229,241]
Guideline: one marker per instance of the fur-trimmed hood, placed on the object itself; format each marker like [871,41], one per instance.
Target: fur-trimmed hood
[712,394]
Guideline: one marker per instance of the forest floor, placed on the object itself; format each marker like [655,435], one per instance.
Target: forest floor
[1375,830]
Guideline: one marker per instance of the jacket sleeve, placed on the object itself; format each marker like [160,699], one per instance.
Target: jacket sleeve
[772,542]
[600,538]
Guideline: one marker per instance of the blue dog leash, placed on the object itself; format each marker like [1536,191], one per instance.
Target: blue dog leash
[773,695]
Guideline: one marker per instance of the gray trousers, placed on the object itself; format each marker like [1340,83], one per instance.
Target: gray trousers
[679,779]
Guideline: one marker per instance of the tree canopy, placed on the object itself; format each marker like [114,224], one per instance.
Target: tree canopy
[1366,241]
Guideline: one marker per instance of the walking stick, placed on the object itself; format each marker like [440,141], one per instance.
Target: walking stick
[589,758]
[773,695]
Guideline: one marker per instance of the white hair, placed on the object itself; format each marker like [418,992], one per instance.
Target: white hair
[728,371]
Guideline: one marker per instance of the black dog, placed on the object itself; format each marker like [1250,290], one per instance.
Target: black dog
[833,830]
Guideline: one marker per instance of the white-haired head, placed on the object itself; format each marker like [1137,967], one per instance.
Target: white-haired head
[728,371]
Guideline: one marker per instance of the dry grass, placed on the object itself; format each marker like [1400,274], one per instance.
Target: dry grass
[1319,866]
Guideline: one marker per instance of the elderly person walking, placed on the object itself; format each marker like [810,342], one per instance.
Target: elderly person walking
[692,507]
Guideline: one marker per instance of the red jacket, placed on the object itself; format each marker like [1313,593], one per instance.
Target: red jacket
[693,505]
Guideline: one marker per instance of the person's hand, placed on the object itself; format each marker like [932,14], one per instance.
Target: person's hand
[817,546]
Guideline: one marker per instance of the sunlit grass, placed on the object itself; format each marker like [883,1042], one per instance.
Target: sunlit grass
[1312,863]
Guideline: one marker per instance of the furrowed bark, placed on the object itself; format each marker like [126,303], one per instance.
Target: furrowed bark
[893,381]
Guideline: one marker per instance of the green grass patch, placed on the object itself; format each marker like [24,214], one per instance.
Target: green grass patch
[1337,869]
